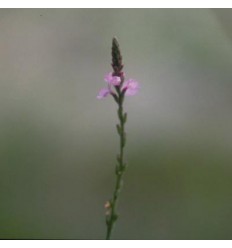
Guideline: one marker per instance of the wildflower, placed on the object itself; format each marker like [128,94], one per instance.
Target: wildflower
[131,87]
[118,89]
[103,93]
[112,80]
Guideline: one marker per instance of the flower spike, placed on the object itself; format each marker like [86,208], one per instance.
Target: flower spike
[118,89]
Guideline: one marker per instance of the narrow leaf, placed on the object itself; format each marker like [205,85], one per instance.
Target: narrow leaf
[125,117]
[119,129]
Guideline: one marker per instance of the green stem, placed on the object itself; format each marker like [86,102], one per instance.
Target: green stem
[120,169]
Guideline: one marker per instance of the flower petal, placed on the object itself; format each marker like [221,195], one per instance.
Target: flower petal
[115,81]
[103,93]
[108,77]
[131,87]
[112,80]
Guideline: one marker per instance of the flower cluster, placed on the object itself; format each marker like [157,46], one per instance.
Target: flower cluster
[130,87]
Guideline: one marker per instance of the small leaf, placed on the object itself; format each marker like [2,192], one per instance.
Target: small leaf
[119,113]
[117,170]
[125,117]
[124,139]
[107,220]
[124,166]
[118,129]
[115,97]
[114,217]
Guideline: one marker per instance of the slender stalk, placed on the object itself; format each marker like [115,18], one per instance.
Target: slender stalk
[120,167]
[115,80]
[129,88]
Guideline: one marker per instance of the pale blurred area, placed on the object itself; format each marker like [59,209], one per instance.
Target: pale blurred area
[58,143]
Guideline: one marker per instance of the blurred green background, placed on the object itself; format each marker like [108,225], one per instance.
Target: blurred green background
[58,143]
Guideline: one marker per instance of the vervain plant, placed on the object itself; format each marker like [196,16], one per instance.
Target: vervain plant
[118,88]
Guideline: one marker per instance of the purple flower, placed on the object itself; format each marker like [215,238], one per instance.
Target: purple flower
[112,80]
[103,93]
[131,87]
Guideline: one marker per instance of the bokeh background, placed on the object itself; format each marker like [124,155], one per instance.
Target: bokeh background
[58,142]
